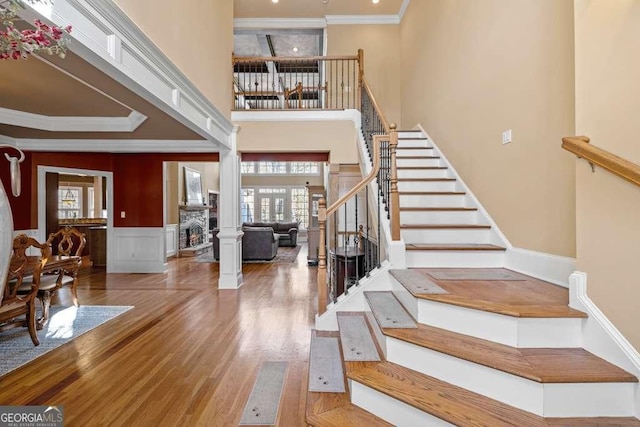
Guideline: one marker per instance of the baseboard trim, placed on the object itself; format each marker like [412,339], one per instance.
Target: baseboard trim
[551,268]
[599,334]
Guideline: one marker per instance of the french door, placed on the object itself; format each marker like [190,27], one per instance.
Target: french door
[271,204]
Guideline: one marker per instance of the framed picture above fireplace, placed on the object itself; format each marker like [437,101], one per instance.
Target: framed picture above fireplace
[193,187]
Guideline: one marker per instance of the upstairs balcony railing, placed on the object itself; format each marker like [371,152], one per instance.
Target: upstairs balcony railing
[279,83]
[352,242]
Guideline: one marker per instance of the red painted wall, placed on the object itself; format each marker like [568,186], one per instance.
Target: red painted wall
[137,183]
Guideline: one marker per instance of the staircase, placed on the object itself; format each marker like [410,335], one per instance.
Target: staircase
[456,339]
[441,224]
[481,347]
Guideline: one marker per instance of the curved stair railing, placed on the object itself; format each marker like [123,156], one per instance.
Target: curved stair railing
[351,239]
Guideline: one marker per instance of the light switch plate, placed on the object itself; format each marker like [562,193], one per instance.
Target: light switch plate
[506,136]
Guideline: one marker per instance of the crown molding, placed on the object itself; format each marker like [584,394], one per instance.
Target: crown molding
[107,38]
[116,146]
[403,9]
[362,19]
[71,124]
[279,23]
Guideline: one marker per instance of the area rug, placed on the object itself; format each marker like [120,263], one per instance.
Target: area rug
[357,342]
[264,400]
[285,255]
[65,324]
[325,365]
[475,274]
[388,311]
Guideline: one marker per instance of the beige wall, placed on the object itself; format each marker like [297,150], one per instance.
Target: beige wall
[472,70]
[197,36]
[337,137]
[381,45]
[607,35]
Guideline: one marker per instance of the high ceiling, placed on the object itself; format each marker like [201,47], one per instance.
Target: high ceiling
[51,99]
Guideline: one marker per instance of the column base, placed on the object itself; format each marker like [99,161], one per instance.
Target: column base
[230,258]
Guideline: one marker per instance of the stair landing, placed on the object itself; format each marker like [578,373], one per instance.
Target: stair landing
[524,297]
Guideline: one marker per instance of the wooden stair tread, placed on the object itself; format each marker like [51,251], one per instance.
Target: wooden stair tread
[432,193]
[444,226]
[426,179]
[335,409]
[422,167]
[453,247]
[544,365]
[419,209]
[455,404]
[417,157]
[526,297]
[443,400]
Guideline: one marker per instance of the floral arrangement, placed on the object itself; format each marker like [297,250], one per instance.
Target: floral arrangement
[19,44]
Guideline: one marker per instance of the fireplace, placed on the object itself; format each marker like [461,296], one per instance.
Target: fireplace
[194,230]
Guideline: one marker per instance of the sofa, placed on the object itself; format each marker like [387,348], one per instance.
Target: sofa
[286,232]
[258,243]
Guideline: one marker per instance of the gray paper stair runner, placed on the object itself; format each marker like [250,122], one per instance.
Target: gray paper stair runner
[416,282]
[325,366]
[388,310]
[357,342]
[264,400]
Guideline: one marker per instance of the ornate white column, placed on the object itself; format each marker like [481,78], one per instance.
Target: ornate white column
[6,218]
[230,234]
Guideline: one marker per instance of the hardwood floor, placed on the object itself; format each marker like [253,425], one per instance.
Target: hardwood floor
[186,355]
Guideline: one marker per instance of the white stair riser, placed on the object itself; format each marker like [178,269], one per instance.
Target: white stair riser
[418,162]
[455,259]
[424,173]
[439,217]
[391,410]
[451,235]
[513,331]
[428,186]
[432,201]
[411,134]
[548,400]
[413,152]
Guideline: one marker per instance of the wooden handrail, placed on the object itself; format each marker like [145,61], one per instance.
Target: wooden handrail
[372,175]
[292,58]
[579,145]
[385,122]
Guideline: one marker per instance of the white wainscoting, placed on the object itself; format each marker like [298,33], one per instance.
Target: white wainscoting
[171,231]
[137,250]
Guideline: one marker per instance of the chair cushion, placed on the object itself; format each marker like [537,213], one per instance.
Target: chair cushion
[46,283]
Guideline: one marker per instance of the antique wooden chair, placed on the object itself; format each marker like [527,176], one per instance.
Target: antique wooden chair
[68,239]
[14,302]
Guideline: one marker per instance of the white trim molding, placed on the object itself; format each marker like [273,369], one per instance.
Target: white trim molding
[137,250]
[107,38]
[116,145]
[295,115]
[403,9]
[600,336]
[172,233]
[71,124]
[551,268]
[279,23]
[362,19]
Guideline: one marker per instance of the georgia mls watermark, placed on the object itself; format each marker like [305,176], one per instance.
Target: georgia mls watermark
[31,416]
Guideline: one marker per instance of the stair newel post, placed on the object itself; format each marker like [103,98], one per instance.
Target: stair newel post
[360,77]
[394,209]
[322,256]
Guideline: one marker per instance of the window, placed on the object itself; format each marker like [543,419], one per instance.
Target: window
[272,167]
[247,204]
[276,204]
[280,168]
[300,206]
[304,168]
[69,202]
